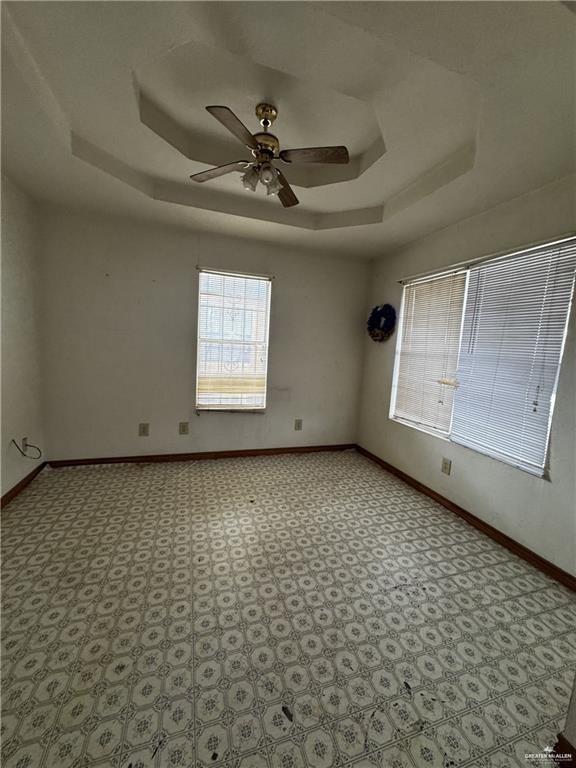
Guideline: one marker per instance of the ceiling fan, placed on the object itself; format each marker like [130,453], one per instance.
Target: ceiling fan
[266,148]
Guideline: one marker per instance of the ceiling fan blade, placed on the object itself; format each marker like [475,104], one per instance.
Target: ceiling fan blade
[221,170]
[286,194]
[229,120]
[316,155]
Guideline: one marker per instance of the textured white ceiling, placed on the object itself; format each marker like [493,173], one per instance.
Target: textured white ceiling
[473,101]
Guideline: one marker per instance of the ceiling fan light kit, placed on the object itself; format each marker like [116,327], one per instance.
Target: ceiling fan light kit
[250,179]
[274,186]
[267,173]
[265,148]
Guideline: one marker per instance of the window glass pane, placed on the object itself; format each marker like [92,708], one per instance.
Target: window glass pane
[233,318]
[427,352]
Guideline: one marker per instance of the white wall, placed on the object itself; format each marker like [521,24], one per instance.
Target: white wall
[21,379]
[119,326]
[569,729]
[537,513]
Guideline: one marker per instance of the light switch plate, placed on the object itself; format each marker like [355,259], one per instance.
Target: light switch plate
[446,466]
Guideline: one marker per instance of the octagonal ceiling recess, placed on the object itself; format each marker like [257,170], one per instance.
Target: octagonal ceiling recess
[172,86]
[172,104]
[487,87]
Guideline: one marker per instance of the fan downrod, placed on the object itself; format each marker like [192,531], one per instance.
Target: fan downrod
[268,144]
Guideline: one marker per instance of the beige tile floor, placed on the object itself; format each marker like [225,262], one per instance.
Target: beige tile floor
[282,611]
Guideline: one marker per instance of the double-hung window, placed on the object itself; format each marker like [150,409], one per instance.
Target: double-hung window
[232,360]
[479,352]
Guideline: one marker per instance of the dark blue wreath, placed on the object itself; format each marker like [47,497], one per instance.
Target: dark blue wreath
[382,322]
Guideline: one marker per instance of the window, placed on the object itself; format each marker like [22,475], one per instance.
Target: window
[233,319]
[430,324]
[479,352]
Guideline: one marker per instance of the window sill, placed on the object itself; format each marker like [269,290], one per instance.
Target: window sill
[230,410]
[539,474]
[421,428]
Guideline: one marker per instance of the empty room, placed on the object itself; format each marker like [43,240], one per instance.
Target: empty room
[288,448]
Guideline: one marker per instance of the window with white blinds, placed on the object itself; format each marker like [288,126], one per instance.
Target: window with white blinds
[513,336]
[233,320]
[514,315]
[427,353]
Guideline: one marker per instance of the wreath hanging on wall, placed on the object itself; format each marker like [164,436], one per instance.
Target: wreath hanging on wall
[382,322]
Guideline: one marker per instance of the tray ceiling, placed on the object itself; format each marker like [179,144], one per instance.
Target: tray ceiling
[112,98]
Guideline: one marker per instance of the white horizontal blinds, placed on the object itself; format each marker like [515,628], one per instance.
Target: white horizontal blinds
[427,353]
[513,335]
[233,315]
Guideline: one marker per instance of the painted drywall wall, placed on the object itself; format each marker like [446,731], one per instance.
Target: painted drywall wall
[21,375]
[119,340]
[569,730]
[537,513]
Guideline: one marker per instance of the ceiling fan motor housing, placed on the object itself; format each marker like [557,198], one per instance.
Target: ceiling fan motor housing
[267,143]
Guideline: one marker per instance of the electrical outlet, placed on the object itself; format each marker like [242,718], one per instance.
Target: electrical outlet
[298,425]
[24,444]
[143,429]
[183,428]
[446,466]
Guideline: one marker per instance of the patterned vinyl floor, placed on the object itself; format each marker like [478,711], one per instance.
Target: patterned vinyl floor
[282,611]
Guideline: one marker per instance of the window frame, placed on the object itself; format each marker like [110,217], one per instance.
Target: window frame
[201,409]
[446,436]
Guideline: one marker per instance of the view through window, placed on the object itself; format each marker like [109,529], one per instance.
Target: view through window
[233,320]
